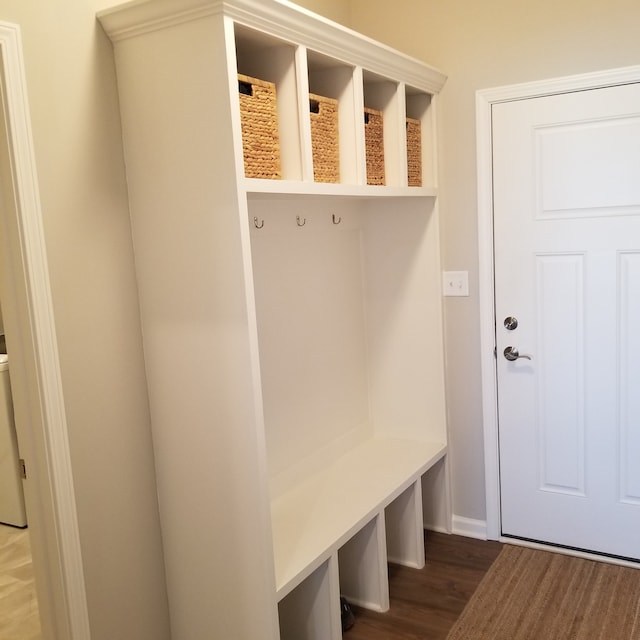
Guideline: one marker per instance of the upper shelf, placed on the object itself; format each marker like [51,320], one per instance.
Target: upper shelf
[344,115]
[266,188]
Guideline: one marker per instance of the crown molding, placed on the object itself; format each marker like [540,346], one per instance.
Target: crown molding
[283,20]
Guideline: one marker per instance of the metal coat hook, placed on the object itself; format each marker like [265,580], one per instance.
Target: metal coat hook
[335,220]
[299,223]
[258,225]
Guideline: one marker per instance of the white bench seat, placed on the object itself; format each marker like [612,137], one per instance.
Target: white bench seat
[314,519]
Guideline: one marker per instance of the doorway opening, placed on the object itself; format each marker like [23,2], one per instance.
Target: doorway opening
[485,102]
[36,382]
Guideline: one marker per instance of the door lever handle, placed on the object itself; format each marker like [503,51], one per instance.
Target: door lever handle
[511,354]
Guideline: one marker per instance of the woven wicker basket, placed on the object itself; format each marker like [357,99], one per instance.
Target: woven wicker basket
[324,138]
[414,153]
[260,138]
[374,146]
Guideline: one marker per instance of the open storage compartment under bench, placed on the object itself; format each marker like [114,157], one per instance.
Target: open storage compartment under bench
[334,534]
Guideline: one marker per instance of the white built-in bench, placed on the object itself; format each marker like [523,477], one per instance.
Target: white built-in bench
[335,531]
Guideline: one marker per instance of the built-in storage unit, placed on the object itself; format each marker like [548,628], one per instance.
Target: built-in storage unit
[292,327]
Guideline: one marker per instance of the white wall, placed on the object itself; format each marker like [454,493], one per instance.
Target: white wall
[77,138]
[481,45]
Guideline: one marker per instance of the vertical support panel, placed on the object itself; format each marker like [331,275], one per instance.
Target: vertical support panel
[206,406]
[364,578]
[628,375]
[560,393]
[404,528]
[335,610]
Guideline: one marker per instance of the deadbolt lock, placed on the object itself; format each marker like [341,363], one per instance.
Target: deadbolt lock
[510,323]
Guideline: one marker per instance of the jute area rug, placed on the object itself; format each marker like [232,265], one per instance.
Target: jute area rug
[538,595]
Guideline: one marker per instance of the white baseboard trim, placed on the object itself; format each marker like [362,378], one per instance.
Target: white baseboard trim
[436,528]
[469,527]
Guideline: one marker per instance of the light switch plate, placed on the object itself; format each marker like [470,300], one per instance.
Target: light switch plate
[455,283]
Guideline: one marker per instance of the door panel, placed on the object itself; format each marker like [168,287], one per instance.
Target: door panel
[560,397]
[587,167]
[567,265]
[629,375]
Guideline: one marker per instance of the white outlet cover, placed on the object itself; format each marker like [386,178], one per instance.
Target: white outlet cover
[455,283]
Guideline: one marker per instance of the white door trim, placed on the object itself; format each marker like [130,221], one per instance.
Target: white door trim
[485,99]
[26,264]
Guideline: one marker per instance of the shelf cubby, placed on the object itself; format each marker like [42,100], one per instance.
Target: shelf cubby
[333,79]
[381,94]
[274,60]
[419,106]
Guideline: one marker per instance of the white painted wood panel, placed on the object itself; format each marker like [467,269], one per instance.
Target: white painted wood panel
[311,327]
[403,293]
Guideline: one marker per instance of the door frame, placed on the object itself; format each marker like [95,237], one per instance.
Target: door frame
[36,379]
[485,99]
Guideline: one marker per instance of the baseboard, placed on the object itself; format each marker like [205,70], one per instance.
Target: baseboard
[469,527]
[436,528]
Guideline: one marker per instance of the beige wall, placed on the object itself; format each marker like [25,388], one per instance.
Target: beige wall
[336,10]
[481,45]
[77,138]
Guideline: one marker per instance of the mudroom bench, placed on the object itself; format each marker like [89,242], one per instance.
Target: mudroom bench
[334,532]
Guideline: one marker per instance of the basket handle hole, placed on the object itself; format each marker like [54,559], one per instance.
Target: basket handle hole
[245,88]
[366,118]
[314,106]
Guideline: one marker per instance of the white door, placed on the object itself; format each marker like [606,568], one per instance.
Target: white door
[567,269]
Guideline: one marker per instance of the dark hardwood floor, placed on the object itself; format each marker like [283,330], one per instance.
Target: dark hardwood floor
[425,603]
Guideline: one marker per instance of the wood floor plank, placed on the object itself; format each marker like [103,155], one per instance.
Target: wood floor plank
[425,603]
[19,615]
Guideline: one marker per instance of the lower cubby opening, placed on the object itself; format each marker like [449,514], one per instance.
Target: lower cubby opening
[312,610]
[404,526]
[362,563]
